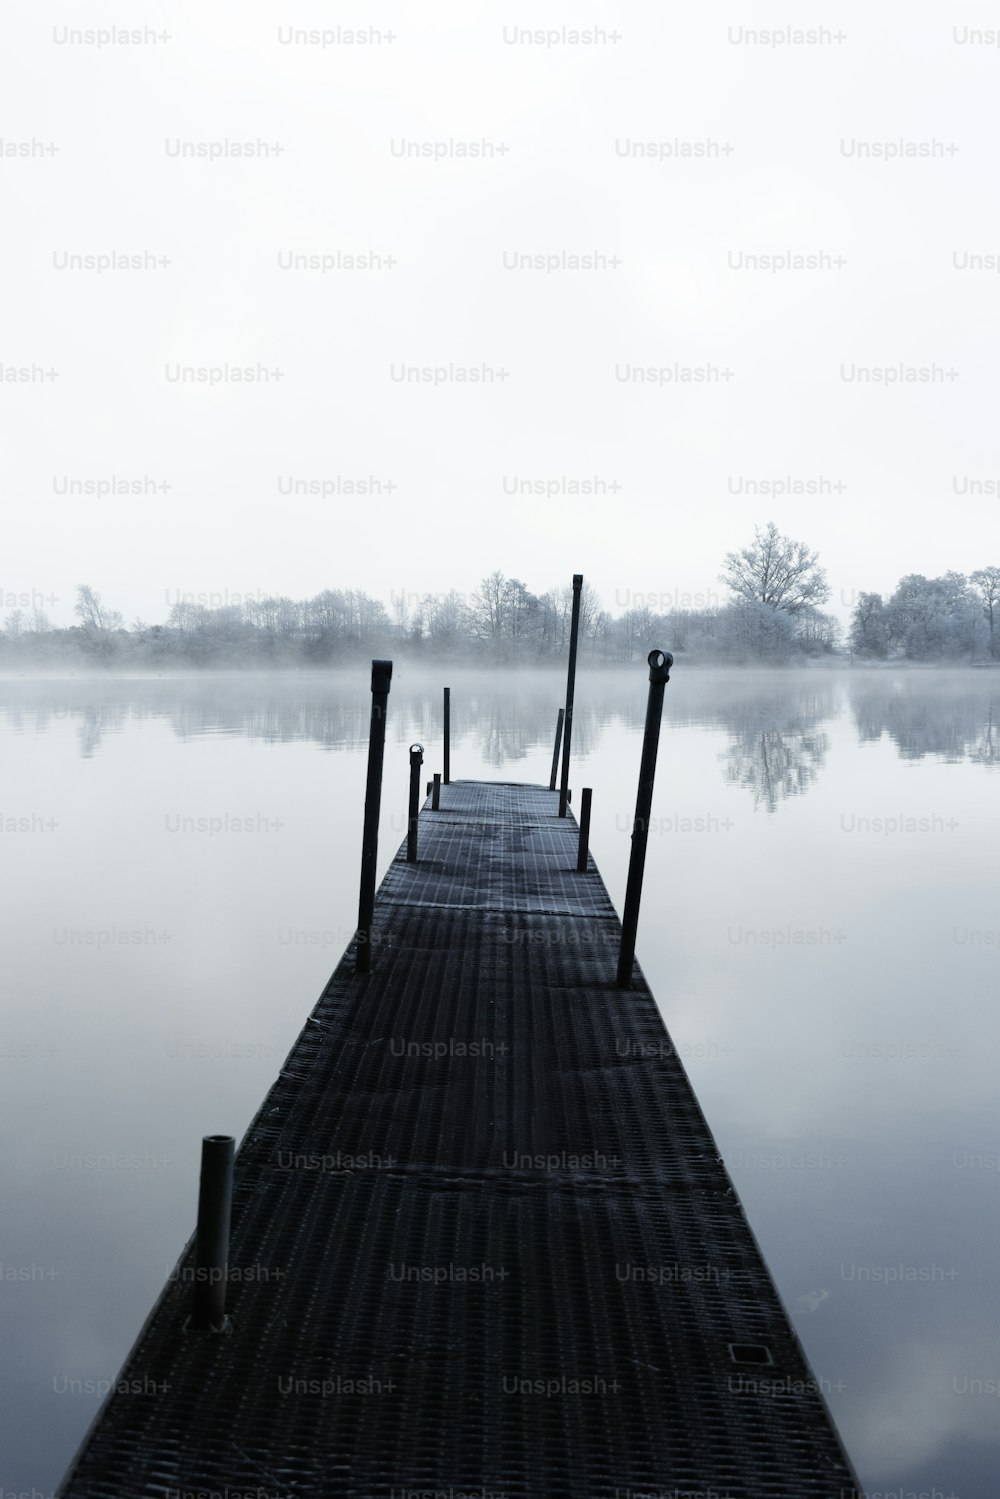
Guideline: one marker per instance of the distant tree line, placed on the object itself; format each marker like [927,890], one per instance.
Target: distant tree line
[953,617]
[773,615]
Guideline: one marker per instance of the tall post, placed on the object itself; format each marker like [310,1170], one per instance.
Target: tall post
[555,752]
[584,844]
[381,677]
[447,735]
[574,632]
[215,1202]
[416,760]
[660,663]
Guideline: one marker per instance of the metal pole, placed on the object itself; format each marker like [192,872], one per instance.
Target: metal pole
[416,760]
[574,631]
[215,1202]
[660,663]
[581,853]
[447,735]
[436,798]
[381,677]
[555,752]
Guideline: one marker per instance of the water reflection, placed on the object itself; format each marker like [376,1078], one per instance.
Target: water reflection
[506,716]
[777,747]
[775,720]
[953,715]
[798,1053]
[775,763]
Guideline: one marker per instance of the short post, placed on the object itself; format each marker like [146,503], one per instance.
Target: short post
[555,752]
[215,1203]
[581,853]
[381,677]
[416,760]
[447,735]
[574,631]
[660,663]
[436,798]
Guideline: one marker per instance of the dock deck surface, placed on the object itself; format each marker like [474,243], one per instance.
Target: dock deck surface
[482,1240]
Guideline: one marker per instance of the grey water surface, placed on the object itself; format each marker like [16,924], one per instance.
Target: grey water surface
[820,925]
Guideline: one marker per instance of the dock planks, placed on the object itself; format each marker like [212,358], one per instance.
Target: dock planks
[502,1255]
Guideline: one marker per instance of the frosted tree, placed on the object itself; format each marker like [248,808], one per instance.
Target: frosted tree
[776,571]
[987,581]
[94,618]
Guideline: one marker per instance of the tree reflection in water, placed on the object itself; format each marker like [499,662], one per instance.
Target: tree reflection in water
[775,763]
[778,745]
[945,713]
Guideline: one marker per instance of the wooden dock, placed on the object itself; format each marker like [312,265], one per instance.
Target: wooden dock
[482,1240]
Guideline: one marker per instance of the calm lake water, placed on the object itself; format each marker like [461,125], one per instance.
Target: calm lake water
[820,925]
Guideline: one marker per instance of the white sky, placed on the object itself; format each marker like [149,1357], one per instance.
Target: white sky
[561,187]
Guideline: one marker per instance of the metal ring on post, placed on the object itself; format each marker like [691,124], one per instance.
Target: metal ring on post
[660,663]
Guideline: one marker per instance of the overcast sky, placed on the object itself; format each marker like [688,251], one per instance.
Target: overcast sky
[787,130]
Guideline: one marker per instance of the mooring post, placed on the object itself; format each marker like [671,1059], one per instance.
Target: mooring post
[436,798]
[215,1202]
[381,677]
[660,663]
[584,845]
[447,735]
[416,760]
[574,631]
[555,752]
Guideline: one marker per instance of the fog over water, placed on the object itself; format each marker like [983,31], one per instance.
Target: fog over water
[820,926]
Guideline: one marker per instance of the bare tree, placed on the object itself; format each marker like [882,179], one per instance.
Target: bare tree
[449,619]
[523,615]
[94,618]
[776,571]
[489,606]
[987,580]
[400,615]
